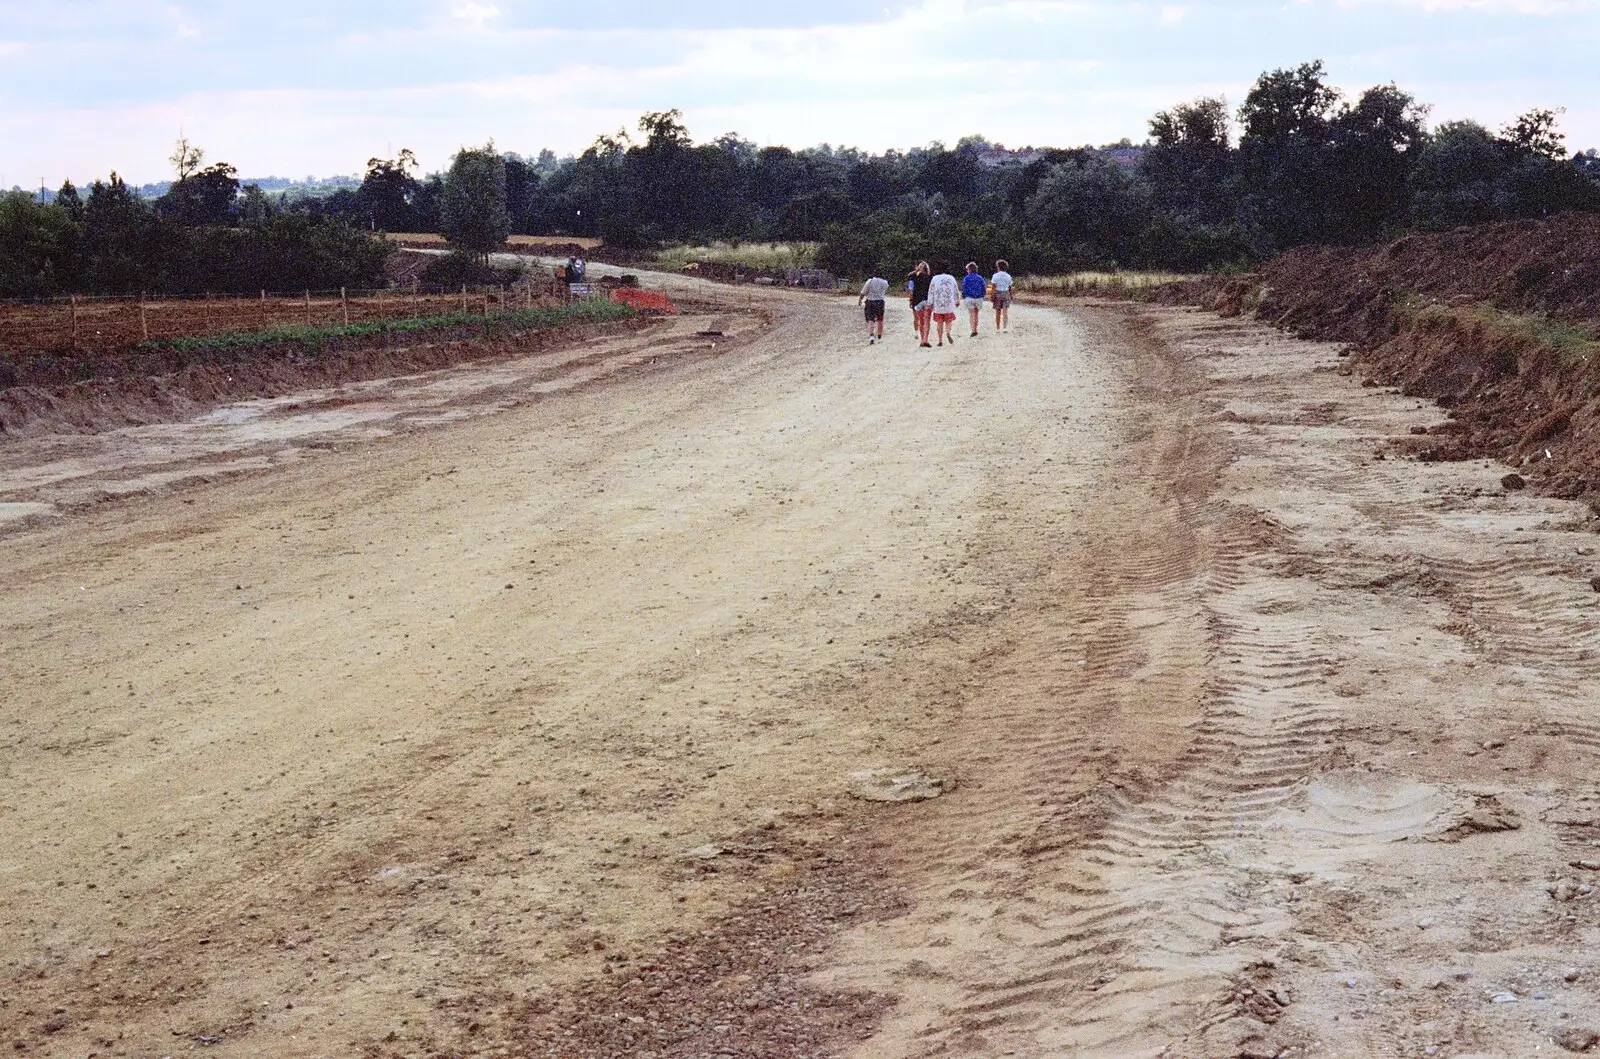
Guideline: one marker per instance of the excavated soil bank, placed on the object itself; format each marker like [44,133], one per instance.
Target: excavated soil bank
[1498,323]
[145,387]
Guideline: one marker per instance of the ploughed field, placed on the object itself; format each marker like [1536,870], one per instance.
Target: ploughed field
[50,330]
[522,708]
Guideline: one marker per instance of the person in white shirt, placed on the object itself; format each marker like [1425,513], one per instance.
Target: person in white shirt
[1001,295]
[944,295]
[874,295]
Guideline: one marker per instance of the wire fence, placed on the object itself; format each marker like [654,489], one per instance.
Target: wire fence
[113,322]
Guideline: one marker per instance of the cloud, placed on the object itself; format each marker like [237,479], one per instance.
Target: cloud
[314,87]
[1547,8]
[472,13]
[185,29]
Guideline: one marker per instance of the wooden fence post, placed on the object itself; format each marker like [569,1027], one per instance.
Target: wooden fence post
[308,308]
[416,308]
[263,310]
[463,297]
[344,307]
[144,319]
[74,319]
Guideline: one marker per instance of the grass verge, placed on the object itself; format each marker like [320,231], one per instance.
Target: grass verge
[538,318]
[1572,343]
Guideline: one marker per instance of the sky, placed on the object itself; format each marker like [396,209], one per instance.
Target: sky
[295,88]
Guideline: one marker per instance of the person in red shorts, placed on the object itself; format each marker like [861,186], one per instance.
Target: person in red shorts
[944,295]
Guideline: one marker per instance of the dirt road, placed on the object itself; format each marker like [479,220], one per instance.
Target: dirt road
[530,730]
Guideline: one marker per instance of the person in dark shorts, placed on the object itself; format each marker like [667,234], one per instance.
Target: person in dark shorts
[921,308]
[1000,285]
[874,296]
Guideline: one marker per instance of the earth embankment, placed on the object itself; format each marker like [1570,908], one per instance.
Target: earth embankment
[1499,323]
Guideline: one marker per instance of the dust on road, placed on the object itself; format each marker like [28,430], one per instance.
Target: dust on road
[531,733]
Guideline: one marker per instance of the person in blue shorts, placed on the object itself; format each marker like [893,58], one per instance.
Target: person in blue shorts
[973,288]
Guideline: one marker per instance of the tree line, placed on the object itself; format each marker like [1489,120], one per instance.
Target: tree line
[205,235]
[1211,187]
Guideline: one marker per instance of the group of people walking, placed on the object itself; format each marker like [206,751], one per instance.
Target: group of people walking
[935,300]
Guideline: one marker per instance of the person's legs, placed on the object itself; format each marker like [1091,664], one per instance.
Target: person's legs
[973,308]
[924,319]
[1005,315]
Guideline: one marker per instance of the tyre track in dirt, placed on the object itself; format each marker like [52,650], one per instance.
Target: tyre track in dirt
[1249,886]
[1262,746]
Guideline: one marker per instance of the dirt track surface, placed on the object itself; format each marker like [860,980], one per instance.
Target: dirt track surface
[531,733]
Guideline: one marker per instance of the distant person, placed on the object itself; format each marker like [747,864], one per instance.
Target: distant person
[874,297]
[911,299]
[944,296]
[921,278]
[582,269]
[973,289]
[1001,283]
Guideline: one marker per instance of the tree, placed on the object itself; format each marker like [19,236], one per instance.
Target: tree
[121,252]
[1283,151]
[1458,178]
[472,212]
[1534,133]
[36,243]
[186,158]
[1189,162]
[205,197]
[255,209]
[387,190]
[67,198]
[1375,147]
[662,173]
[1093,209]
[524,198]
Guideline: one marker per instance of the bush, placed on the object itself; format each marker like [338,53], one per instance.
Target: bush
[456,270]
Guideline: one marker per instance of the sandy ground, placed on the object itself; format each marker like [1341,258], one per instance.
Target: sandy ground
[528,729]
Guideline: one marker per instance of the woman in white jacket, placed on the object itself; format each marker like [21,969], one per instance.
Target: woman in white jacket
[944,296]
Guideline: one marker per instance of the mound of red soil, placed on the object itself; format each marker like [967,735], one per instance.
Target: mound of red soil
[142,388]
[1490,321]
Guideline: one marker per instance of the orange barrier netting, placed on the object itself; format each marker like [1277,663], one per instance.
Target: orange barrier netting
[644,300]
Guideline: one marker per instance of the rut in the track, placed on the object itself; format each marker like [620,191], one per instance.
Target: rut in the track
[1142,712]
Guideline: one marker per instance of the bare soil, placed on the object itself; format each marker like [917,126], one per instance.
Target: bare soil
[1463,318]
[529,730]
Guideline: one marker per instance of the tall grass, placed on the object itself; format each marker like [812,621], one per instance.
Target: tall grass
[1114,284]
[758,257]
